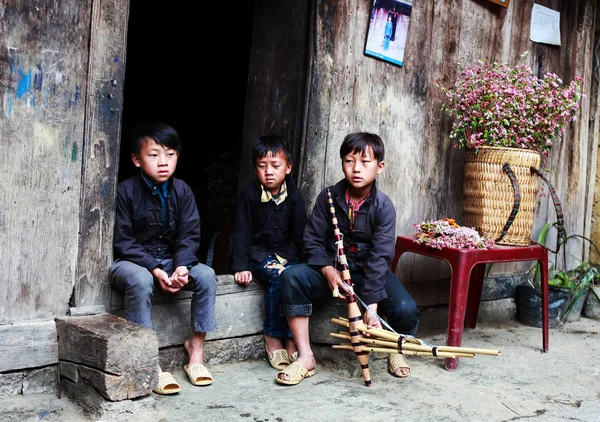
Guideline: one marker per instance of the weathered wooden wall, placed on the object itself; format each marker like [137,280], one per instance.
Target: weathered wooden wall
[350,92]
[275,94]
[44,71]
[100,161]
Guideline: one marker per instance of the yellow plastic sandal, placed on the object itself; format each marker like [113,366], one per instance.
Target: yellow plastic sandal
[278,359]
[296,373]
[166,384]
[395,361]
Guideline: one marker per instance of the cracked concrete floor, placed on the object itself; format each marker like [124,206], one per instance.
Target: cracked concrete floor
[523,384]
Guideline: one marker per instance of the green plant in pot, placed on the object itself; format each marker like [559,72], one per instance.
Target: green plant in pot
[567,289]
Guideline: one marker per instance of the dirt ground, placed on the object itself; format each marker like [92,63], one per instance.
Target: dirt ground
[523,384]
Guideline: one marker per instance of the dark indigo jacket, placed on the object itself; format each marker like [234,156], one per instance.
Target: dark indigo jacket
[373,236]
[140,235]
[264,228]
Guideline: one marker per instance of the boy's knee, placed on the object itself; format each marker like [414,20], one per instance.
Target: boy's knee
[205,276]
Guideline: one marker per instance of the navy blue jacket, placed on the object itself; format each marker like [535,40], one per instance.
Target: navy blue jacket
[140,235]
[374,237]
[264,228]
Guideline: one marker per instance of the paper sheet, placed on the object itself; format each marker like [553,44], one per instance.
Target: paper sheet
[545,25]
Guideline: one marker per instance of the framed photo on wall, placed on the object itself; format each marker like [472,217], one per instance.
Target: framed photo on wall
[388,29]
[501,2]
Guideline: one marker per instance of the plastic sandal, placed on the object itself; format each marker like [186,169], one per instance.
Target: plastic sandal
[296,373]
[278,359]
[395,361]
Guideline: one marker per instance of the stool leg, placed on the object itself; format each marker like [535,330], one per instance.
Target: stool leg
[475,288]
[459,290]
[545,301]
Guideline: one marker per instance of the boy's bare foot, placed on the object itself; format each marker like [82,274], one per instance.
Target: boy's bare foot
[290,347]
[272,343]
[195,351]
[307,362]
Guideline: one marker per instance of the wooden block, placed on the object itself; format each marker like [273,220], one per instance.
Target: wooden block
[119,359]
[28,345]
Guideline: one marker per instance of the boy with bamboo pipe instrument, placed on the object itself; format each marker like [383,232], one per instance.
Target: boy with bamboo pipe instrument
[367,221]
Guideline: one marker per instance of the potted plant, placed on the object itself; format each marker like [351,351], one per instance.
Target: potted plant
[504,115]
[568,289]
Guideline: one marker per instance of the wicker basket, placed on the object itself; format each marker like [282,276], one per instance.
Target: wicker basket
[489,196]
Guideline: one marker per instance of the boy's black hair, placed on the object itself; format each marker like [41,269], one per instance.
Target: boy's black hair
[162,133]
[360,142]
[270,144]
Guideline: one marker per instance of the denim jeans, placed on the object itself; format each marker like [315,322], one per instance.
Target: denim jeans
[302,284]
[267,273]
[137,285]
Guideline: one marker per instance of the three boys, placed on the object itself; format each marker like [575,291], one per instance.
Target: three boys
[157,235]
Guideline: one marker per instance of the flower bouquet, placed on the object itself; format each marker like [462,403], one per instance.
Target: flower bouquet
[498,105]
[445,233]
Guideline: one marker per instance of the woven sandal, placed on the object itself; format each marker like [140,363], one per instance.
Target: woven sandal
[293,357]
[198,374]
[166,384]
[296,372]
[395,361]
[278,359]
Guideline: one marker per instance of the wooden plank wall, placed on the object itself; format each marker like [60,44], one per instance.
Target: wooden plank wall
[275,94]
[349,92]
[43,69]
[101,145]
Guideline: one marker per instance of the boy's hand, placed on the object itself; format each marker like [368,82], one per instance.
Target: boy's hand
[334,279]
[243,277]
[179,278]
[370,319]
[164,280]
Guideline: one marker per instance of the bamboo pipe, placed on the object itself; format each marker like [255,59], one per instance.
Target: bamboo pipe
[388,335]
[407,352]
[354,314]
[390,347]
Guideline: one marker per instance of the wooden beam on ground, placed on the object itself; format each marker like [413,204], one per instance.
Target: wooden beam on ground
[119,359]
[28,345]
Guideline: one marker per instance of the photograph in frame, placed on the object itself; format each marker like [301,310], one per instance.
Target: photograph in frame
[388,29]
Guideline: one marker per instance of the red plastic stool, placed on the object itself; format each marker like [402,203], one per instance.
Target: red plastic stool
[466,282]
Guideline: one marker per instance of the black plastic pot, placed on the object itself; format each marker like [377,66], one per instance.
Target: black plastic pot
[529,305]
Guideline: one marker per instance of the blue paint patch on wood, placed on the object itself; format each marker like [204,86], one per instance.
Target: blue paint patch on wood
[74,152]
[24,84]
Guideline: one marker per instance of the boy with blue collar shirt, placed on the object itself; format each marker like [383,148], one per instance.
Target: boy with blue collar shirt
[157,236]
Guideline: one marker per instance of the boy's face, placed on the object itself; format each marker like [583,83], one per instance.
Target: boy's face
[361,169]
[271,171]
[156,161]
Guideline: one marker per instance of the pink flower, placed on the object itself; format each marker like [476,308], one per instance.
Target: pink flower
[495,104]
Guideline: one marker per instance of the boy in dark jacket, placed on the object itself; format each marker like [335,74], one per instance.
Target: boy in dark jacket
[157,235]
[270,220]
[367,220]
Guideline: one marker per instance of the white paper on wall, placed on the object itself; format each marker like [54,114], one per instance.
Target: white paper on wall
[545,25]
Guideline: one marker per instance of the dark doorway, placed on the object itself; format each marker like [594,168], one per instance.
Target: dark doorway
[182,71]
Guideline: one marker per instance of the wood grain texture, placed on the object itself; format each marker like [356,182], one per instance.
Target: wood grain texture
[100,165]
[43,85]
[276,78]
[28,345]
[423,175]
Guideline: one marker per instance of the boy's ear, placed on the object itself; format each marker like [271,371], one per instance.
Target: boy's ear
[380,167]
[288,169]
[136,160]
